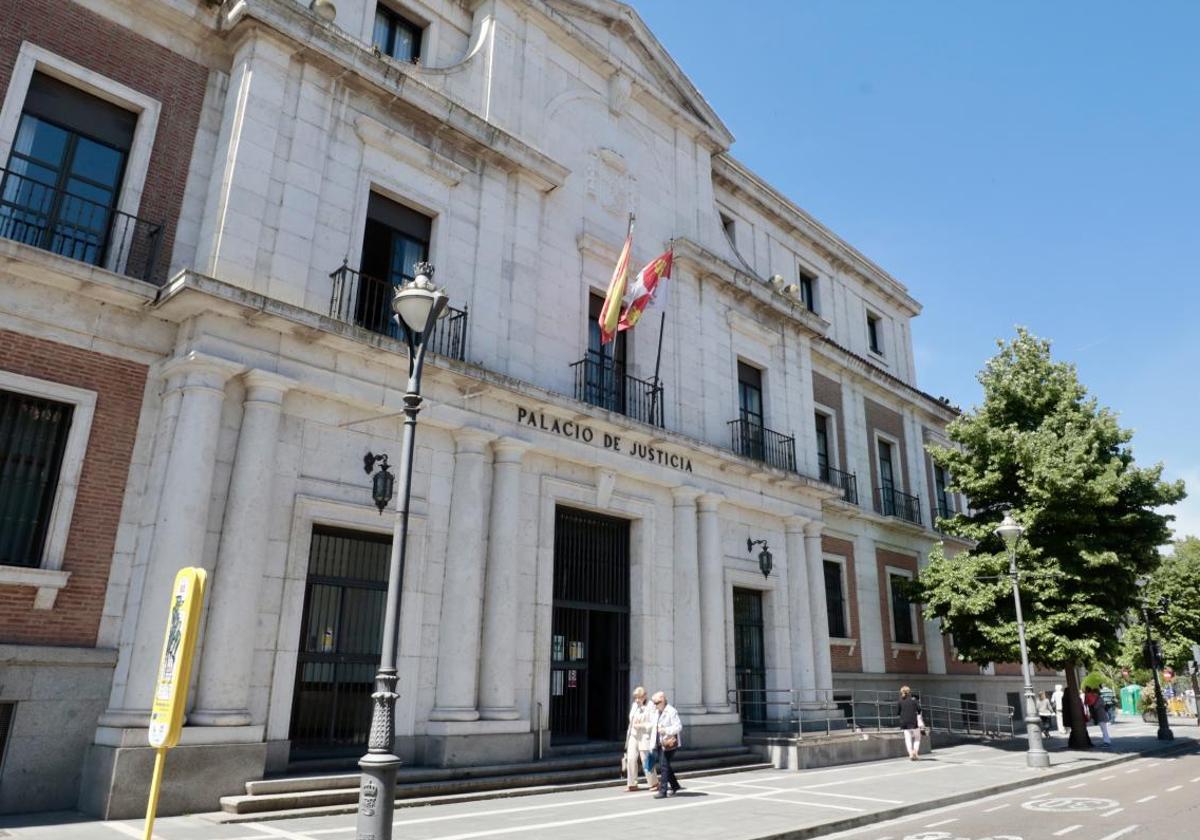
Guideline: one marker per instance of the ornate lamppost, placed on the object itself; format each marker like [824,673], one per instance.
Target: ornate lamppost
[417,305]
[1011,532]
[1152,659]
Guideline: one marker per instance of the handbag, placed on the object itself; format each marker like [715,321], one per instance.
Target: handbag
[624,765]
[670,742]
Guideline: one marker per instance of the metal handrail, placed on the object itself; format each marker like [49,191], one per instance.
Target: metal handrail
[53,219]
[845,480]
[602,381]
[891,502]
[366,301]
[753,440]
[805,713]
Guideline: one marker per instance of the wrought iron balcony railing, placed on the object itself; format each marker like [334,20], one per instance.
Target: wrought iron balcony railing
[847,481]
[366,301]
[44,216]
[752,440]
[603,382]
[941,510]
[891,502]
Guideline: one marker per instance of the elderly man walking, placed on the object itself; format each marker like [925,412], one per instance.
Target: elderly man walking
[668,737]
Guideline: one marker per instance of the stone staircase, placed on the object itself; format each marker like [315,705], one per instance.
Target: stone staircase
[337,793]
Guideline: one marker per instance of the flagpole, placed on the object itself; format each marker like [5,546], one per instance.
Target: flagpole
[662,322]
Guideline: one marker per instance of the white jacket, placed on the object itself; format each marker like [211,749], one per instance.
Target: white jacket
[667,722]
[641,727]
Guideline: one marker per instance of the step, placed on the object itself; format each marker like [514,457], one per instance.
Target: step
[405,775]
[343,798]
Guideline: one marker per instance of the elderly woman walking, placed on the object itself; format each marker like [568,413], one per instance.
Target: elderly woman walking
[639,741]
[911,722]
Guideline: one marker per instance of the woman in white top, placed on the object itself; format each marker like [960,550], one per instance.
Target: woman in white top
[639,740]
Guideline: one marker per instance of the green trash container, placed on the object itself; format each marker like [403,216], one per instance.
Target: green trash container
[1130,695]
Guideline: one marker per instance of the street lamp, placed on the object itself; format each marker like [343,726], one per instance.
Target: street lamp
[1160,704]
[417,305]
[1011,532]
[766,560]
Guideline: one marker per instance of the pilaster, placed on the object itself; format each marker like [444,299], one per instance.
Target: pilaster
[818,609]
[712,606]
[689,685]
[801,620]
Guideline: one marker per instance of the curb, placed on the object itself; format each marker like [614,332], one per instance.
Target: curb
[847,823]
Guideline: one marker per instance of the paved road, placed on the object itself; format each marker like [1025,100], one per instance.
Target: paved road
[1149,799]
[735,806]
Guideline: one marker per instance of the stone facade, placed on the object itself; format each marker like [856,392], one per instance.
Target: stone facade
[525,135]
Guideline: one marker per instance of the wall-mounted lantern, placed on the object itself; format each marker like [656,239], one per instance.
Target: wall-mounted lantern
[383,482]
[765,559]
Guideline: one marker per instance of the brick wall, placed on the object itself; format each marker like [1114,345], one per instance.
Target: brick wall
[86,38]
[829,394]
[840,656]
[119,387]
[896,660]
[954,665]
[883,419]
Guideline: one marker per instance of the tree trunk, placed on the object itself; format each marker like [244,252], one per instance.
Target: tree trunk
[1073,713]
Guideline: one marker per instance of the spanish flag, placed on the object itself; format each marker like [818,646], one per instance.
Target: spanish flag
[644,288]
[610,313]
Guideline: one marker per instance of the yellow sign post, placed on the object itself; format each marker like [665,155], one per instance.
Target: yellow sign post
[174,672]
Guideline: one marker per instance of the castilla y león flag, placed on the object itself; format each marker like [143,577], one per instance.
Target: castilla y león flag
[643,288]
[610,313]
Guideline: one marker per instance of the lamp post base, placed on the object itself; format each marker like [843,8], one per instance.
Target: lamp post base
[1039,760]
[376,797]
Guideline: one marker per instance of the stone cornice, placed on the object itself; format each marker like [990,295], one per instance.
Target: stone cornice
[735,176]
[848,360]
[399,84]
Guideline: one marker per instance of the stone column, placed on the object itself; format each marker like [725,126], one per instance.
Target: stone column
[497,668]
[462,584]
[181,524]
[689,686]
[800,610]
[818,609]
[712,606]
[872,634]
[222,690]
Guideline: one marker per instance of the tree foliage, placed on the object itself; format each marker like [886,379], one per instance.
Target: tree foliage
[1178,578]
[1040,446]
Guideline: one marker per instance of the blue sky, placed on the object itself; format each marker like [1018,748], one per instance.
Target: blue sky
[1025,163]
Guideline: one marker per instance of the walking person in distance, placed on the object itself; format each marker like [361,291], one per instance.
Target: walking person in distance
[911,722]
[1045,712]
[639,740]
[668,731]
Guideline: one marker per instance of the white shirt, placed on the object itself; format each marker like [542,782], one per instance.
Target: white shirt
[640,725]
[667,722]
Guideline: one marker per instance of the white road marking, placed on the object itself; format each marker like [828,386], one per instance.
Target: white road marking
[1173,789]
[1133,770]
[1113,811]
[1066,830]
[852,796]
[1147,798]
[996,808]
[1120,833]
[130,831]
[1197,779]
[1106,778]
[813,804]
[942,822]
[272,831]
[1076,787]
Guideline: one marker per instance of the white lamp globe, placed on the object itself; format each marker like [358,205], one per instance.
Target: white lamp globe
[1009,530]
[414,301]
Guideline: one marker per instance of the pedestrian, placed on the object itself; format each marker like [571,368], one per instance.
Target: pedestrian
[1045,712]
[1056,702]
[1095,707]
[668,737]
[639,741]
[911,722]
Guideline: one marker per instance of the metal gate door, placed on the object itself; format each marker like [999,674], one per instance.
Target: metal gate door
[750,661]
[339,642]
[589,654]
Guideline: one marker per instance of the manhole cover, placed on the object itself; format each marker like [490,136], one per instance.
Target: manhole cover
[1069,804]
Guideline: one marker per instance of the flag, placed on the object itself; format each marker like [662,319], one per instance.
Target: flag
[644,287]
[610,313]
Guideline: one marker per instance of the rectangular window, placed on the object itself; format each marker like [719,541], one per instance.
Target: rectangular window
[7,712]
[605,363]
[396,36]
[902,618]
[394,240]
[822,423]
[887,477]
[750,411]
[942,497]
[874,334]
[63,177]
[33,437]
[808,291]
[835,599]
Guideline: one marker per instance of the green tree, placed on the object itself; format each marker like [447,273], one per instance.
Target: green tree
[1040,446]
[1178,578]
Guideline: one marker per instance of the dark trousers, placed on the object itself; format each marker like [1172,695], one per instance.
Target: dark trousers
[666,775]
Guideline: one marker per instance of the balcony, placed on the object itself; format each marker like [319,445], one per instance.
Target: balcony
[891,502]
[847,481]
[603,382]
[941,510]
[751,440]
[366,302]
[39,214]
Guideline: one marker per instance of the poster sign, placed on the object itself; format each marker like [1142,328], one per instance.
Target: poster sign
[175,667]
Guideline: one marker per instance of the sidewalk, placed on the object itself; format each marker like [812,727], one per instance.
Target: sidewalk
[741,806]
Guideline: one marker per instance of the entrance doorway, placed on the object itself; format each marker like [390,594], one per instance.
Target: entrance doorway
[339,643]
[750,661]
[589,651]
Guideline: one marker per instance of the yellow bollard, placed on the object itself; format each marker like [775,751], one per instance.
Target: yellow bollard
[160,758]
